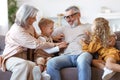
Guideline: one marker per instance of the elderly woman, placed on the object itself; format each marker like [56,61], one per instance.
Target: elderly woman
[21,36]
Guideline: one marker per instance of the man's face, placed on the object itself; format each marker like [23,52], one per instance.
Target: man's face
[72,17]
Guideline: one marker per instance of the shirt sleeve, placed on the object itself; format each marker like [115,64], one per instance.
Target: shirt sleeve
[24,39]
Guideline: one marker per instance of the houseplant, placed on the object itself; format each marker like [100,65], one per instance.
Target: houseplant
[12,8]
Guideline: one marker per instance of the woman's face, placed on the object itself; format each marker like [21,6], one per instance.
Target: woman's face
[30,20]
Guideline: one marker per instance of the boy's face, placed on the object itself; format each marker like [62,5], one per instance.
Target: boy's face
[47,31]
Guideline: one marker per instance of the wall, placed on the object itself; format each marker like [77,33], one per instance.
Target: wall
[90,9]
[50,8]
[3,17]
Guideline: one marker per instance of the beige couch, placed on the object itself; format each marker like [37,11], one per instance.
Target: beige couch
[66,73]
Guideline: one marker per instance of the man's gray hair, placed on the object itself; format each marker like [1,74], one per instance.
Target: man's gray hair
[74,8]
[23,13]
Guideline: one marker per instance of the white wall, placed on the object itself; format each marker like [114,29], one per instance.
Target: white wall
[89,8]
[3,17]
[50,8]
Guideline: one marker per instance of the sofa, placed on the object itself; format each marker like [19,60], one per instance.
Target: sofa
[3,75]
[66,73]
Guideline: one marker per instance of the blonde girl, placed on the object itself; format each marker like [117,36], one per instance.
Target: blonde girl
[102,42]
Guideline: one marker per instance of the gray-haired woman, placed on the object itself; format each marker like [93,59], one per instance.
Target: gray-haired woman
[22,35]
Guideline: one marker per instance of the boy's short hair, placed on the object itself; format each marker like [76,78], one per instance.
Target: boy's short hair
[44,22]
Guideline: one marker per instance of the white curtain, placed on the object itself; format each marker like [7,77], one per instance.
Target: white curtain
[3,17]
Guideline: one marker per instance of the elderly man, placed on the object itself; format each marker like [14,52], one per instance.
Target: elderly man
[73,56]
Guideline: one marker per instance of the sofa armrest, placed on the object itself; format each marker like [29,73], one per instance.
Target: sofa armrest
[118,35]
[117,45]
[5,75]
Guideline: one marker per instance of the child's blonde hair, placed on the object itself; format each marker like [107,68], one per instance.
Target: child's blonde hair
[102,30]
[44,22]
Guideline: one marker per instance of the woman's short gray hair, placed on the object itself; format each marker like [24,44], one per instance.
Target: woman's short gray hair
[23,13]
[74,8]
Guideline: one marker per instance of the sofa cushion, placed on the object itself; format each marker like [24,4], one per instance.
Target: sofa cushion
[71,74]
[67,73]
[117,45]
[5,75]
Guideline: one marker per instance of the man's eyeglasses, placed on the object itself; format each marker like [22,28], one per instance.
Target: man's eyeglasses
[68,17]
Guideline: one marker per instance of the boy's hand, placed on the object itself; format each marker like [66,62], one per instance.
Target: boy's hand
[58,38]
[62,45]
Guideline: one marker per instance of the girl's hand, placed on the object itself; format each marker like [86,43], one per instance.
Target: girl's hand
[87,33]
[112,41]
[82,42]
[86,37]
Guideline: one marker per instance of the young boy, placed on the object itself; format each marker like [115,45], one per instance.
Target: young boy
[46,27]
